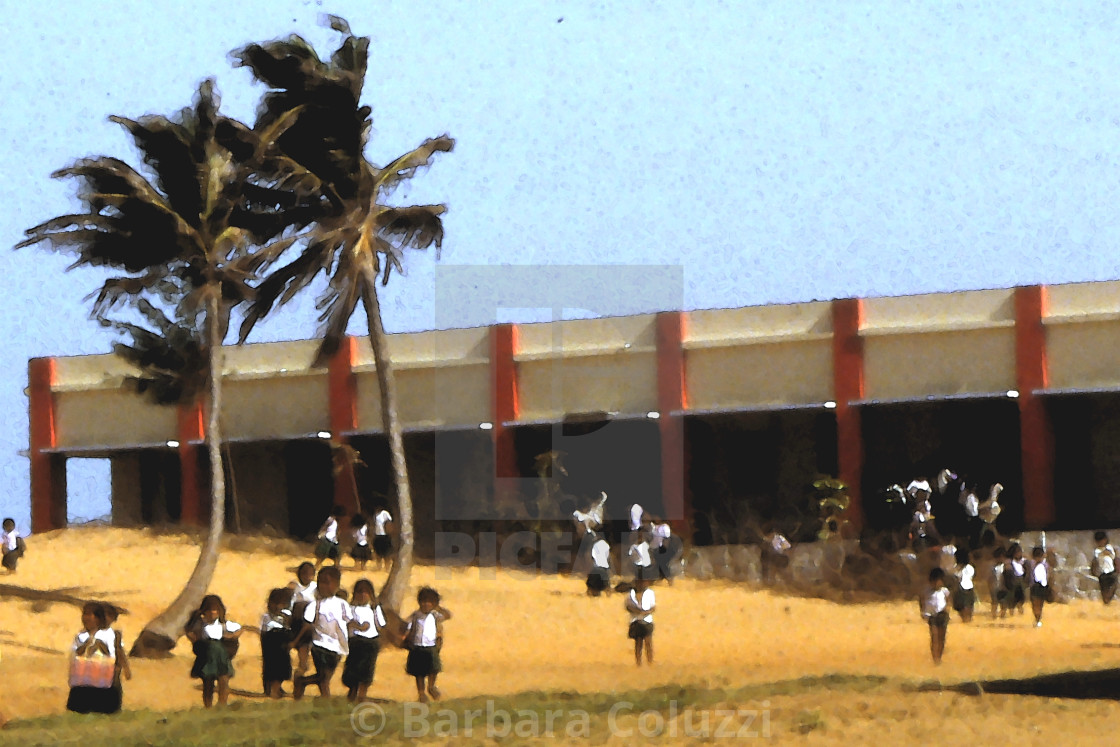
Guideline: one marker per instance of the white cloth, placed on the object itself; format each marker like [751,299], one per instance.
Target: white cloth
[303,593]
[601,554]
[1017,569]
[971,503]
[966,574]
[641,609]
[422,629]
[329,617]
[361,536]
[639,554]
[1040,574]
[364,613]
[105,635]
[273,622]
[586,521]
[1106,558]
[636,512]
[779,544]
[215,630]
[935,601]
[918,486]
[382,518]
[660,534]
[329,531]
[10,540]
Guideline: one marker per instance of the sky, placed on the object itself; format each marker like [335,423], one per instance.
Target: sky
[772,152]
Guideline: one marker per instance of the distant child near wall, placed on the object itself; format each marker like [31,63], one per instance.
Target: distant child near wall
[212,637]
[382,537]
[1104,566]
[12,546]
[934,604]
[964,598]
[1041,589]
[423,636]
[276,643]
[327,547]
[996,591]
[361,552]
[304,592]
[361,662]
[1015,578]
[599,577]
[326,623]
[641,564]
[640,604]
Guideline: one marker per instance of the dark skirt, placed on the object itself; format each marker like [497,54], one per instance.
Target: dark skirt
[94,699]
[640,629]
[361,662]
[361,552]
[598,579]
[211,660]
[1107,582]
[325,660]
[276,658]
[964,599]
[382,545]
[1015,593]
[940,620]
[423,661]
[1041,592]
[326,549]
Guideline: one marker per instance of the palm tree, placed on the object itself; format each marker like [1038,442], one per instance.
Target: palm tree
[357,237]
[192,241]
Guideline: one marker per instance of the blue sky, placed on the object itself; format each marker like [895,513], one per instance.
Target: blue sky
[776,151]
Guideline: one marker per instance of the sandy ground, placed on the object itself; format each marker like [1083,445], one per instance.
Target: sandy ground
[515,631]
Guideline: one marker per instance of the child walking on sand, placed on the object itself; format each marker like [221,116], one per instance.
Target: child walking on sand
[423,637]
[964,599]
[276,643]
[326,623]
[1015,579]
[210,633]
[640,604]
[1041,592]
[11,546]
[361,662]
[934,605]
[599,577]
[1104,562]
[327,547]
[361,552]
[303,593]
[382,539]
[996,591]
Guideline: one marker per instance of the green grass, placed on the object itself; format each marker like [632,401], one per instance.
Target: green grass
[514,719]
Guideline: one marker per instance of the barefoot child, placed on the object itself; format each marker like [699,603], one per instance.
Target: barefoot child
[964,599]
[423,637]
[640,605]
[1015,579]
[934,605]
[276,643]
[327,547]
[361,662]
[208,631]
[1040,584]
[325,622]
[382,539]
[303,591]
[91,685]
[361,552]
[1104,561]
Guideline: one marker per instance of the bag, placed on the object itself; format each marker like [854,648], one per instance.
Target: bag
[97,670]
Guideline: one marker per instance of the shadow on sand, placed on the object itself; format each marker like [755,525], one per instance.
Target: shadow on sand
[1102,683]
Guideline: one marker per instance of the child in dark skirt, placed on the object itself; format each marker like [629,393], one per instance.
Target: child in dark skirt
[95,639]
[276,643]
[11,545]
[423,637]
[326,623]
[212,637]
[599,577]
[1104,566]
[934,605]
[361,552]
[640,605]
[1015,579]
[327,546]
[1041,590]
[964,598]
[361,662]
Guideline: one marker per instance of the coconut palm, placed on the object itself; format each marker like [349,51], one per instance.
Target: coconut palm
[191,241]
[358,237]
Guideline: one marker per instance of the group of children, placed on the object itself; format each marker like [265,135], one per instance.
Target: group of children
[327,546]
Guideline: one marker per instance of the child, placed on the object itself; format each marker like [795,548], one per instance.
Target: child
[361,662]
[325,622]
[995,582]
[964,599]
[382,540]
[208,631]
[774,557]
[11,545]
[327,546]
[423,637]
[303,591]
[641,565]
[1015,579]
[640,605]
[599,577]
[1040,584]
[934,605]
[93,642]
[1104,561]
[663,549]
[361,552]
[276,643]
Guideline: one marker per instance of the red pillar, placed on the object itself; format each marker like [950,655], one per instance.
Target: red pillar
[343,406]
[193,510]
[847,373]
[1036,434]
[672,399]
[48,471]
[503,408]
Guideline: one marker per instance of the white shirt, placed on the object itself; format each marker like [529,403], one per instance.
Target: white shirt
[601,554]
[215,630]
[10,540]
[329,531]
[364,613]
[329,616]
[273,622]
[422,628]
[917,486]
[583,520]
[661,532]
[639,552]
[383,517]
[303,593]
[779,544]
[1040,574]
[1106,558]
[105,635]
[966,575]
[636,512]
[971,504]
[1017,568]
[641,609]
[361,536]
[936,600]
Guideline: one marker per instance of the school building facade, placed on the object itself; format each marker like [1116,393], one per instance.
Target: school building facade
[685,412]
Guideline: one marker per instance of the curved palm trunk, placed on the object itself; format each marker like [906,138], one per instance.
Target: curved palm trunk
[400,573]
[159,636]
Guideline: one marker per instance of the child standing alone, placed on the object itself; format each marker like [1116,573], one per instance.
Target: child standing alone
[424,639]
[640,604]
[934,605]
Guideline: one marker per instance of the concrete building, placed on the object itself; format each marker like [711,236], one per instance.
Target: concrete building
[680,411]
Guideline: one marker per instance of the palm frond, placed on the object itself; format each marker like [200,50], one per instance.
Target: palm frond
[406,166]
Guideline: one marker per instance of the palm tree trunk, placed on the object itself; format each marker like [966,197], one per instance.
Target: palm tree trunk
[400,573]
[159,636]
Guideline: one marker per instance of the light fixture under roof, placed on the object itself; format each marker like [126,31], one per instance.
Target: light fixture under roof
[653,414]
[486,426]
[173,444]
[830,405]
[323,434]
[1012,393]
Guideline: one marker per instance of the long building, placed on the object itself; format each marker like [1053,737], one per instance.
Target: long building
[688,413]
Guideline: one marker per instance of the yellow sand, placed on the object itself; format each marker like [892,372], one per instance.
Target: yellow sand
[515,631]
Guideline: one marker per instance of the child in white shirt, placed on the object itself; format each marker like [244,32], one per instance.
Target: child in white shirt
[361,552]
[327,547]
[1104,558]
[382,539]
[276,643]
[964,599]
[641,565]
[11,545]
[304,592]
[1041,591]
[934,604]
[212,637]
[326,623]
[640,604]
[423,637]
[599,577]
[361,661]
